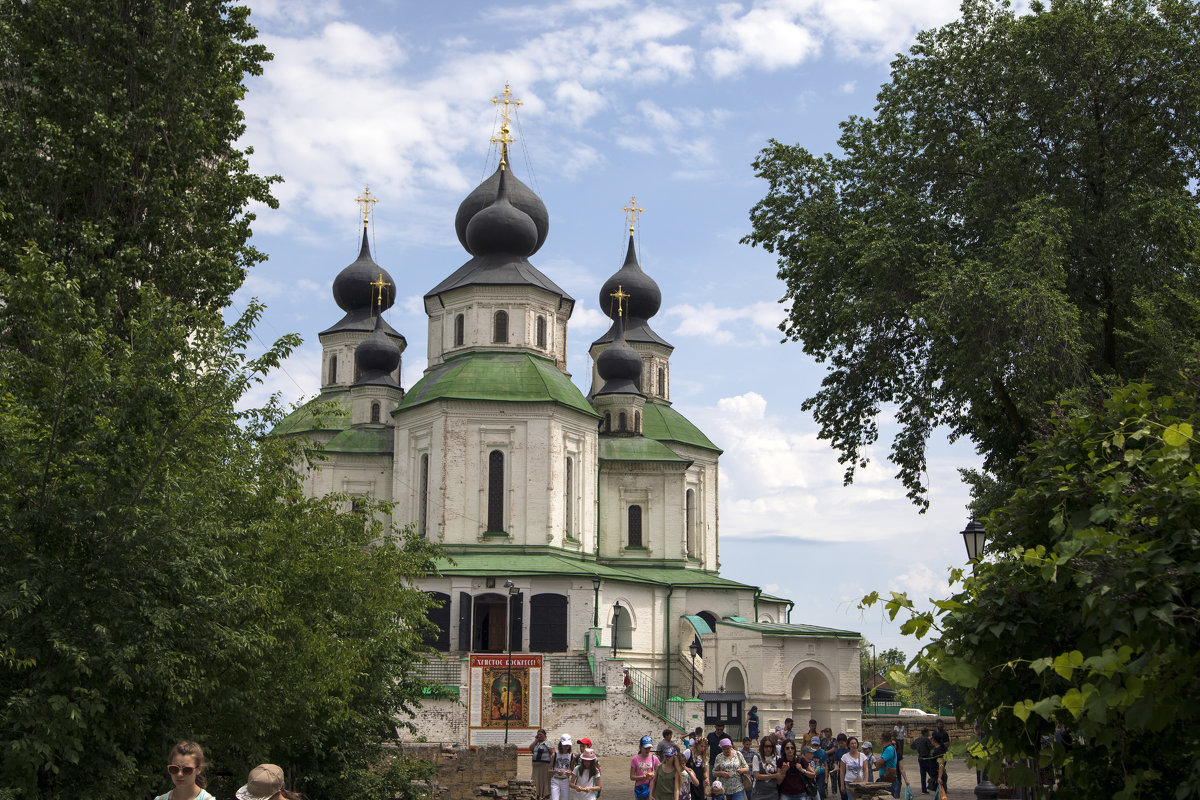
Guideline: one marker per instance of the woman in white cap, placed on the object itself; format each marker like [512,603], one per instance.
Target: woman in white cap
[265,782]
[585,778]
[560,770]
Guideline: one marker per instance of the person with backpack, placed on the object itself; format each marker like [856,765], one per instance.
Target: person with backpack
[794,774]
[642,769]
[763,769]
[728,768]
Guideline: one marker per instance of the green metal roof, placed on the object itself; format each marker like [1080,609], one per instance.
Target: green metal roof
[499,377]
[636,448]
[770,598]
[329,411]
[362,440]
[507,559]
[788,629]
[698,624]
[660,421]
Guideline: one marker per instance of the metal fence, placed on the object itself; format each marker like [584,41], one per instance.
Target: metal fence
[654,696]
[444,671]
[882,708]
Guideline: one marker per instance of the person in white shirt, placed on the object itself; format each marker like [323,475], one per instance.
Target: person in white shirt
[853,767]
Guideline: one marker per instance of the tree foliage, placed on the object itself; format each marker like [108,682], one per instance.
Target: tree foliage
[117,124]
[1017,221]
[1086,608]
[162,575]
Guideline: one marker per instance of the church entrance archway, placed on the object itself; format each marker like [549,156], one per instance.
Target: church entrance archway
[487,623]
[811,699]
[711,619]
[734,681]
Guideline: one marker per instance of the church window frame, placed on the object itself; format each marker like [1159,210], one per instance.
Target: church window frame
[689,517]
[495,492]
[500,327]
[622,422]
[569,499]
[637,422]
[460,330]
[633,529]
[423,497]
[662,383]
[375,413]
[607,421]
[333,368]
[540,332]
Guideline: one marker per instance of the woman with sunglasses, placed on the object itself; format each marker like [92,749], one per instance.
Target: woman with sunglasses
[793,773]
[764,768]
[185,765]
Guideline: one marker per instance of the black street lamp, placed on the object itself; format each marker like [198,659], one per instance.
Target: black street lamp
[512,592]
[616,616]
[974,536]
[596,601]
[692,649]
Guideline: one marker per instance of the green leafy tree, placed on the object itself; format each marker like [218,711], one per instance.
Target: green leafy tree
[1018,221]
[117,124]
[1085,610]
[162,575]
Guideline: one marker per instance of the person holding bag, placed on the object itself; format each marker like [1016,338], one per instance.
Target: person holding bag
[729,767]
[794,775]
[891,770]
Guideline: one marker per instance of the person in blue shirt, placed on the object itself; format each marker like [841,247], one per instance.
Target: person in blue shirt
[818,759]
[891,763]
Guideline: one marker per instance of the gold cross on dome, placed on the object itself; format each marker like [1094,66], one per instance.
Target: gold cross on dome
[380,284]
[365,201]
[505,138]
[506,99]
[621,296]
[632,212]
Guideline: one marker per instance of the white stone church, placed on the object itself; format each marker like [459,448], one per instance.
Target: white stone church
[581,528]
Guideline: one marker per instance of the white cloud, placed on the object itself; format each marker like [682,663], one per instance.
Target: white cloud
[728,325]
[847,87]
[579,104]
[766,37]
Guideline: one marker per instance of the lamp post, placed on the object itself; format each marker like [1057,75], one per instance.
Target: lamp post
[974,538]
[596,601]
[692,649]
[512,591]
[616,616]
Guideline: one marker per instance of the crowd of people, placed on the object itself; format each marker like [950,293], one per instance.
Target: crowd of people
[781,765]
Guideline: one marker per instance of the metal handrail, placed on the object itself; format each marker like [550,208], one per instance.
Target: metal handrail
[654,697]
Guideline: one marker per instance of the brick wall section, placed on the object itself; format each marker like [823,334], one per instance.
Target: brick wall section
[464,773]
[872,727]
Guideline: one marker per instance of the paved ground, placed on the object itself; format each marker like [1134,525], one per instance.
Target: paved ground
[960,781]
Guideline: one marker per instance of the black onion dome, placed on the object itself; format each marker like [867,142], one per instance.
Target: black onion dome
[502,227]
[619,365]
[521,197]
[376,357]
[352,289]
[644,295]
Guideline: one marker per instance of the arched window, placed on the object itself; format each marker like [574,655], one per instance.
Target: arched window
[500,328]
[569,522]
[333,369]
[690,522]
[635,526]
[622,635]
[621,421]
[496,491]
[541,332]
[439,617]
[662,382]
[548,623]
[374,412]
[423,496]
[460,330]
[607,421]
[637,422]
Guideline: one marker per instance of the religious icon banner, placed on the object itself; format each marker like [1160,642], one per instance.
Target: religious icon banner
[504,697]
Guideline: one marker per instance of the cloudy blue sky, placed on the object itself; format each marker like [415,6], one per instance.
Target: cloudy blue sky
[668,101]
